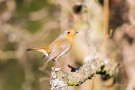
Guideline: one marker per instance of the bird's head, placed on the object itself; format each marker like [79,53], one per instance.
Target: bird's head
[69,34]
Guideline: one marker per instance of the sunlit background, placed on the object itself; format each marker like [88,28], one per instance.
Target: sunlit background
[106,29]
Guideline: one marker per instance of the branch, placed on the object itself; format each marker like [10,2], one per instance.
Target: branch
[60,80]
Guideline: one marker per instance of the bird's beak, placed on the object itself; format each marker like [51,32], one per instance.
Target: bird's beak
[76,32]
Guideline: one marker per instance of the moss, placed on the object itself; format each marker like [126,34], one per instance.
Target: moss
[70,83]
[111,74]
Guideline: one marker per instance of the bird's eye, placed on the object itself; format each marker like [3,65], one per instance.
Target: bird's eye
[68,32]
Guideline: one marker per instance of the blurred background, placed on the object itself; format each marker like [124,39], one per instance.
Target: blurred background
[106,29]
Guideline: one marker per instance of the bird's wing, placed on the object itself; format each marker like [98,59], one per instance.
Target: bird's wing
[59,48]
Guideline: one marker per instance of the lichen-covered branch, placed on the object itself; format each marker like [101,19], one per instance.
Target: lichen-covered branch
[60,80]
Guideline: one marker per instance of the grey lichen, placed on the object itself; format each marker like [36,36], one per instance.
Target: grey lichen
[85,72]
[58,79]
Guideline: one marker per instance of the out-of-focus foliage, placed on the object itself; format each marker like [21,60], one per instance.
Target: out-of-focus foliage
[23,24]
[36,23]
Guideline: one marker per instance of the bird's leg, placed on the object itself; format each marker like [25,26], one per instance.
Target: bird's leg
[58,64]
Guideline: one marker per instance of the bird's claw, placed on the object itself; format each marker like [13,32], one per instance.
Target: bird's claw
[60,68]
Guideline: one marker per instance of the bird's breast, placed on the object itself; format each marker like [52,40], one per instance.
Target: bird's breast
[68,47]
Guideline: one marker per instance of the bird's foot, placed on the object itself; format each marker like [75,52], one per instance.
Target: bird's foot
[60,68]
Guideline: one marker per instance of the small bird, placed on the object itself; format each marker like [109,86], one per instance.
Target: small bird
[58,47]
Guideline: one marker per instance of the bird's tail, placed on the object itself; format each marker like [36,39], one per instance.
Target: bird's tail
[30,49]
[43,50]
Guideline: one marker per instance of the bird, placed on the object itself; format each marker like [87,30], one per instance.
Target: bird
[59,47]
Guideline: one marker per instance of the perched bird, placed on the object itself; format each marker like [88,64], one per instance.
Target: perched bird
[58,47]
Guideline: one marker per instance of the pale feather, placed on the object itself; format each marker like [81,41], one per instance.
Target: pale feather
[43,51]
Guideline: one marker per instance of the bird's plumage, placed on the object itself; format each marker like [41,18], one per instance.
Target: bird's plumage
[58,47]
